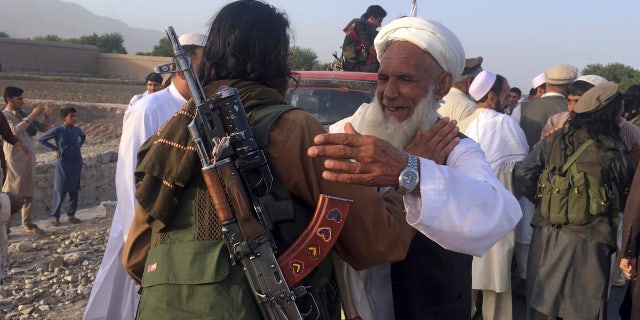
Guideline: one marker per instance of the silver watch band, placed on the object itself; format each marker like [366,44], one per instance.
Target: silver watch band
[413,161]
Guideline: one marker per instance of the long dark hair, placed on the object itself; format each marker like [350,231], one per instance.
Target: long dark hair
[632,101]
[599,123]
[248,40]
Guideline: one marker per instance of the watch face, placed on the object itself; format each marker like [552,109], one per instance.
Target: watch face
[409,179]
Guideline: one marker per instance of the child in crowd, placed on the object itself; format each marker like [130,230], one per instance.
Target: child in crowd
[68,141]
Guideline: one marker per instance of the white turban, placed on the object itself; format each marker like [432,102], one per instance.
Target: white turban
[430,36]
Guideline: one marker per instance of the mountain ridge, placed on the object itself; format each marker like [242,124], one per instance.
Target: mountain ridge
[69,20]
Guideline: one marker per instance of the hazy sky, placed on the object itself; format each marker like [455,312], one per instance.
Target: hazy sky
[518,39]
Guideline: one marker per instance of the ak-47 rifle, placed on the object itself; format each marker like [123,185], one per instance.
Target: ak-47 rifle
[239,181]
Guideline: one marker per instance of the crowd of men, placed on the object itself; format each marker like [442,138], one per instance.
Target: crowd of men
[443,169]
[451,175]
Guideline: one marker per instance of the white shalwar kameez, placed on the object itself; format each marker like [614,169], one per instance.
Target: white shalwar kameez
[115,294]
[462,207]
[136,98]
[503,143]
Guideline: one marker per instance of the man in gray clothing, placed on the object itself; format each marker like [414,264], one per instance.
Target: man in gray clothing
[535,115]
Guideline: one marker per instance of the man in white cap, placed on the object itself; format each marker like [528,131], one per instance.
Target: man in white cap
[539,85]
[503,143]
[460,208]
[537,88]
[554,100]
[456,104]
[114,294]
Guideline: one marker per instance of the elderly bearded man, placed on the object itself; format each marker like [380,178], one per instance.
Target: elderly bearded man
[460,208]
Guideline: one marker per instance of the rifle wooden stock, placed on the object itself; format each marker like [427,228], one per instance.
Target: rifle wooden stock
[241,206]
[317,239]
[216,192]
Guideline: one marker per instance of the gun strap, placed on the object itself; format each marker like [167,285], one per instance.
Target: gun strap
[262,119]
[313,240]
[316,241]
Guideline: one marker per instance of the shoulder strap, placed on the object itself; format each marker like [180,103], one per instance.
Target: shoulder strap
[263,117]
[575,155]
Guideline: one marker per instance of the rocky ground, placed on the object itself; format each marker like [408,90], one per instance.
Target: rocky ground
[50,276]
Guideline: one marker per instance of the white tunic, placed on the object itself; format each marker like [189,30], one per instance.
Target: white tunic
[114,294]
[462,207]
[503,143]
[137,97]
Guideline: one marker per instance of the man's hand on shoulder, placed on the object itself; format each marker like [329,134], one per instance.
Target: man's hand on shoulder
[358,159]
[437,142]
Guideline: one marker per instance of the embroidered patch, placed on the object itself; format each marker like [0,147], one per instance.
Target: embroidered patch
[152,267]
[313,251]
[324,233]
[297,266]
[335,215]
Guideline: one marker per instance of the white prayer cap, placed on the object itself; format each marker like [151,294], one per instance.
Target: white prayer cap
[592,79]
[481,85]
[430,36]
[192,39]
[537,81]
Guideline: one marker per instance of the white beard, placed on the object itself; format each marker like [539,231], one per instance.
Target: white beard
[399,133]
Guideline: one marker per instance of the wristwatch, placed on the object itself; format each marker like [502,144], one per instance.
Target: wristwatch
[409,177]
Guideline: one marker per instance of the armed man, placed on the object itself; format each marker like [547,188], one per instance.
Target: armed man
[179,242]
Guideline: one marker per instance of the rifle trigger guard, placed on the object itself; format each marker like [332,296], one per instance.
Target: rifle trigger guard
[313,312]
[241,249]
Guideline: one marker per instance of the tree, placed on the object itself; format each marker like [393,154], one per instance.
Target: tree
[303,58]
[49,37]
[4,35]
[111,43]
[106,43]
[162,49]
[623,75]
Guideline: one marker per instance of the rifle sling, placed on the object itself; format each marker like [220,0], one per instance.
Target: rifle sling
[575,155]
